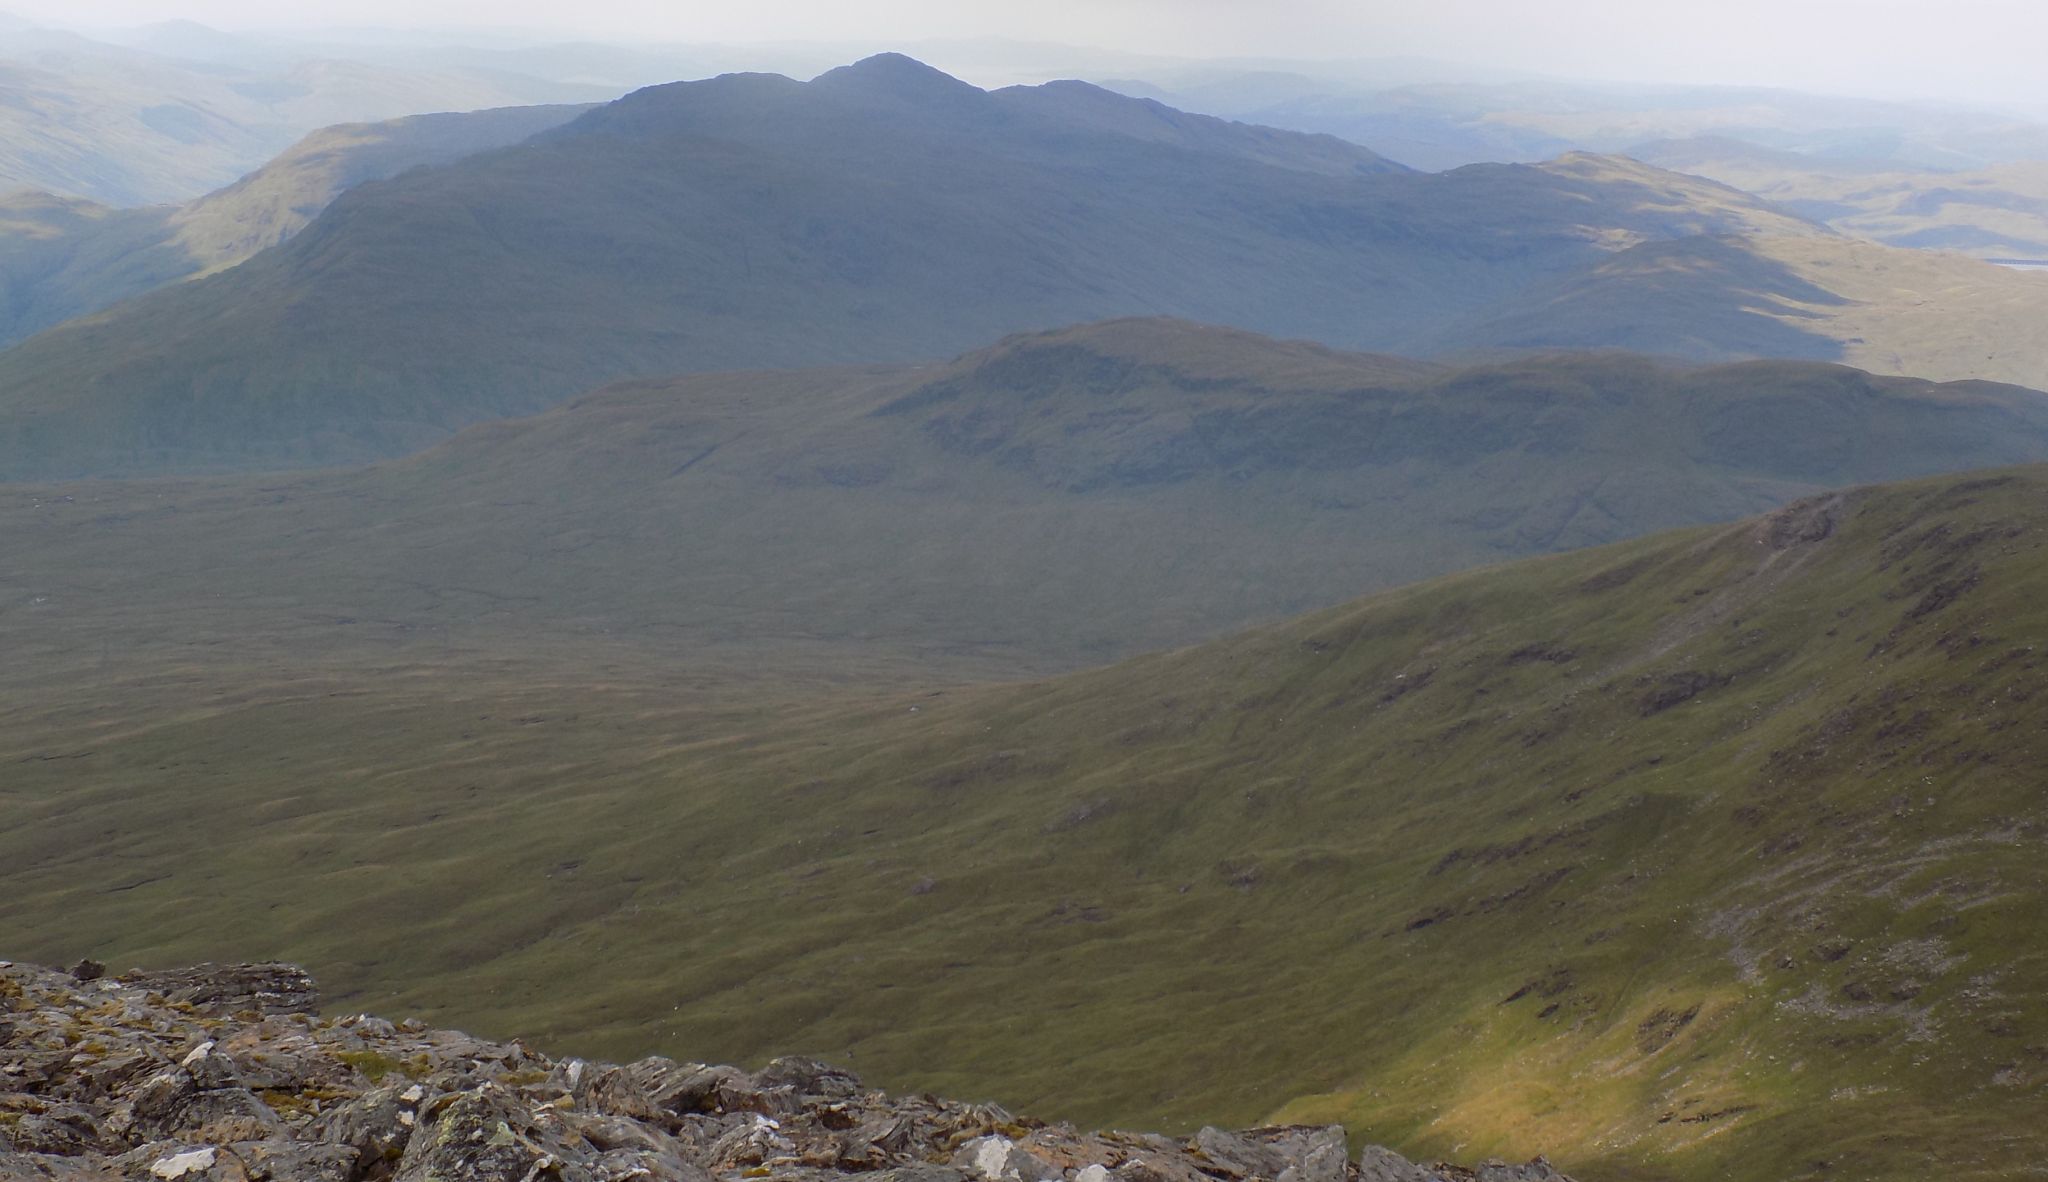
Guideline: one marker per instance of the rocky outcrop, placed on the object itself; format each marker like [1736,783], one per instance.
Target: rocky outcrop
[227,1074]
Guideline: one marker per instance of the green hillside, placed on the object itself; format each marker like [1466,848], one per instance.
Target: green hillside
[1053,501]
[1716,855]
[882,212]
[63,257]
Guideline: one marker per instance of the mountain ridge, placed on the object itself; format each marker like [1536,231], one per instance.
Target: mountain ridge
[1050,501]
[63,258]
[872,236]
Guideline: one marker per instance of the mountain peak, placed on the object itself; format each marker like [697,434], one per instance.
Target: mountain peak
[895,75]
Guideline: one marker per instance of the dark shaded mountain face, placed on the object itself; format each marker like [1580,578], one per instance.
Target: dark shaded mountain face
[881,212]
[1052,501]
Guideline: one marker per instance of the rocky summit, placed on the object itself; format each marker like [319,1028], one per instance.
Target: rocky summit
[229,1073]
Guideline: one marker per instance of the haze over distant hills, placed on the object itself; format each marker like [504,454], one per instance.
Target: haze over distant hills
[126,127]
[1452,121]
[65,257]
[881,212]
[1996,212]
[1048,502]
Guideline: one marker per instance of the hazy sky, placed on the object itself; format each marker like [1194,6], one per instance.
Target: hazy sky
[1968,50]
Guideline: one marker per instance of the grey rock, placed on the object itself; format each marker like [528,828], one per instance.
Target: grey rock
[809,1078]
[996,1158]
[374,1126]
[1238,1157]
[703,1089]
[750,1143]
[57,1129]
[264,988]
[917,1173]
[44,1167]
[475,1137]
[632,1165]
[284,1160]
[1538,1170]
[1312,1154]
[234,1082]
[1377,1163]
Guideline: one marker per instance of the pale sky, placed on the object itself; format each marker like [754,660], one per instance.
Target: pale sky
[1974,51]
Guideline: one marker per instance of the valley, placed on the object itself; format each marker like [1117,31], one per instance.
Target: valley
[1047,502]
[1753,800]
[1437,605]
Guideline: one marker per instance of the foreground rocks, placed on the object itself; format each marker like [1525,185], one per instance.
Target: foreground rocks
[227,1073]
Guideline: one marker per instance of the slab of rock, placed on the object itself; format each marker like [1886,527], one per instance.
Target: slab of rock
[226,1074]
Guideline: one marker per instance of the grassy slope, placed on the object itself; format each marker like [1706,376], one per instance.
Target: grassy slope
[1715,855]
[1887,309]
[1053,501]
[883,212]
[62,258]
[1995,212]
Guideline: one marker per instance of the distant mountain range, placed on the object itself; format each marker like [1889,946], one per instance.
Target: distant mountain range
[1456,118]
[1052,501]
[882,212]
[1995,212]
[64,257]
[127,126]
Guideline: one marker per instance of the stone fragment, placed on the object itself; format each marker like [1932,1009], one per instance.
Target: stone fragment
[808,1077]
[477,1137]
[1377,1163]
[281,1160]
[265,988]
[1237,1156]
[1538,1170]
[191,1161]
[996,1158]
[374,1126]
[46,1167]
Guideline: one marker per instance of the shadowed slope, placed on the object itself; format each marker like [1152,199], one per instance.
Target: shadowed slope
[1054,500]
[1717,855]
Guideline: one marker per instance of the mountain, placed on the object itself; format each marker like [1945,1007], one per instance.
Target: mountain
[123,127]
[881,212]
[1052,501]
[63,257]
[1713,855]
[1997,212]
